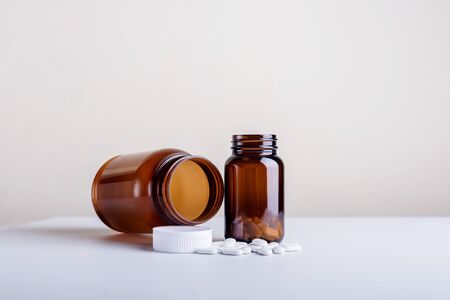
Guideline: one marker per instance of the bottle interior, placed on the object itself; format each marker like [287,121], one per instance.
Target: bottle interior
[189,190]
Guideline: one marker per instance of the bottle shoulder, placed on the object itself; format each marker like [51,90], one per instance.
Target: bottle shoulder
[256,159]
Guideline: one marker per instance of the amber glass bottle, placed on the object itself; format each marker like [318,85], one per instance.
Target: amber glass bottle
[254,189]
[135,192]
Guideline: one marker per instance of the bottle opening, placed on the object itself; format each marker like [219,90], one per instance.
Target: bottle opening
[189,190]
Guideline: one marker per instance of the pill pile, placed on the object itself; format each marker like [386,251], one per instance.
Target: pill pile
[269,227]
[259,246]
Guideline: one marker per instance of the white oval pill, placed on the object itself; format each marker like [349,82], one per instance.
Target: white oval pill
[264,251]
[273,244]
[259,242]
[230,242]
[217,243]
[232,251]
[279,250]
[241,244]
[292,247]
[207,250]
[246,249]
[254,247]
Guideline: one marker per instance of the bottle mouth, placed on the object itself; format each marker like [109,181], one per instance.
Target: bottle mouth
[254,143]
[181,191]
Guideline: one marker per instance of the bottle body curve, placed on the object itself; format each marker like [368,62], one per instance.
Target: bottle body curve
[254,197]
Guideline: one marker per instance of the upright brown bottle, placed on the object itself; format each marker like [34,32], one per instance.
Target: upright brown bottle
[254,189]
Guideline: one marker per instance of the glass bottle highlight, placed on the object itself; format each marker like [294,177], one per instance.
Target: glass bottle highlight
[254,189]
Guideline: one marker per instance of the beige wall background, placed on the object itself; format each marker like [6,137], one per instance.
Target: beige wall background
[357,91]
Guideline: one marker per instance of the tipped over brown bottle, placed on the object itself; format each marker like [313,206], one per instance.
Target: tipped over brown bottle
[135,192]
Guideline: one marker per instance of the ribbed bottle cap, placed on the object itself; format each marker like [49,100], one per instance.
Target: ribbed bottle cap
[181,239]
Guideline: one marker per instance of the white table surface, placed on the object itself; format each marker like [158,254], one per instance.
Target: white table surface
[343,258]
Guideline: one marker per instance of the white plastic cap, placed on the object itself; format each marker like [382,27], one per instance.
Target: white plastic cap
[181,239]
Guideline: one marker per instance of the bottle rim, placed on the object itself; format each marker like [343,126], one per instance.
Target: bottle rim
[163,202]
[254,136]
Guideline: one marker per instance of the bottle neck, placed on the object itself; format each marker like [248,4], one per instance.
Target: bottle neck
[254,144]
